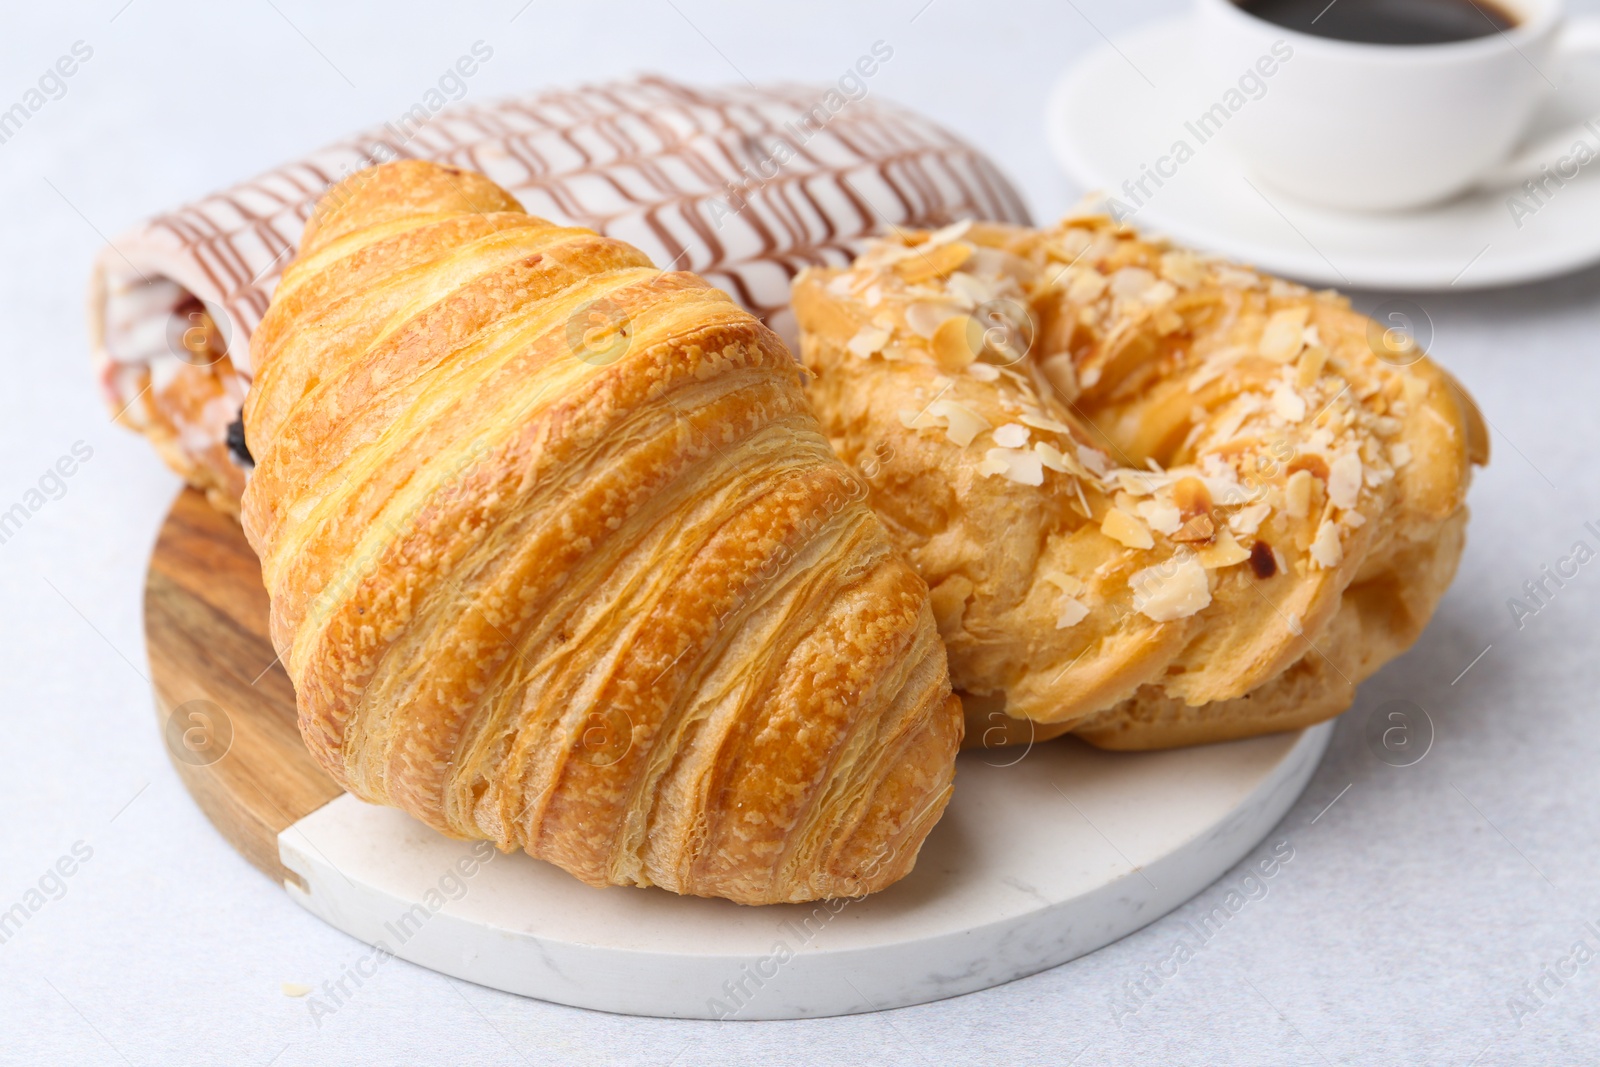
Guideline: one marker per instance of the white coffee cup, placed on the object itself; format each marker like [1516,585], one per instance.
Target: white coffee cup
[1376,127]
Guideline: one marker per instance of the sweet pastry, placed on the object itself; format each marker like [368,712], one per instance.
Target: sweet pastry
[690,176]
[559,557]
[1159,499]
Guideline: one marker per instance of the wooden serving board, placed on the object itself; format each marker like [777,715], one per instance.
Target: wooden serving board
[225,703]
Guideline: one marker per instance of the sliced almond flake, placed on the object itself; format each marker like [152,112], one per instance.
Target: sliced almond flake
[1325,548]
[868,339]
[839,286]
[924,317]
[1313,336]
[919,420]
[1353,519]
[1160,294]
[1043,422]
[1052,457]
[1087,285]
[1183,267]
[1013,464]
[1126,530]
[1235,278]
[1090,377]
[1083,502]
[1309,368]
[984,372]
[962,424]
[1289,405]
[1284,335]
[1072,612]
[1135,482]
[1174,589]
[1222,552]
[944,235]
[1063,581]
[1386,425]
[1011,435]
[952,342]
[1162,515]
[1247,520]
[1130,283]
[1297,494]
[1094,459]
[1399,454]
[968,290]
[873,296]
[1344,480]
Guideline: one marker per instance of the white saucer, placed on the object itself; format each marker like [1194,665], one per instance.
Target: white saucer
[1126,105]
[1044,854]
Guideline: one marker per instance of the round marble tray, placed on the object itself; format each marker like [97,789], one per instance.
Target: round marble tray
[1044,854]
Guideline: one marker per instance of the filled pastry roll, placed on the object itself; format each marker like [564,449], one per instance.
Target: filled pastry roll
[1160,499]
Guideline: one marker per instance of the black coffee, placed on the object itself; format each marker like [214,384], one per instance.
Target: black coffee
[1386,21]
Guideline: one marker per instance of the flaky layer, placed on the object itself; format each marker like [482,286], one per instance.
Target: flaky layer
[1142,485]
[559,557]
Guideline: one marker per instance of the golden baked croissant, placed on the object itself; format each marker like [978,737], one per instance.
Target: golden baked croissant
[1159,499]
[559,557]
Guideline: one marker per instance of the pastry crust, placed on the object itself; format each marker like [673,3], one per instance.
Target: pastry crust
[1159,499]
[559,557]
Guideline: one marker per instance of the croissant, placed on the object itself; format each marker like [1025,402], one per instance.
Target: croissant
[1159,499]
[559,557]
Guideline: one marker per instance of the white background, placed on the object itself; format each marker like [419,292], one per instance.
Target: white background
[1413,909]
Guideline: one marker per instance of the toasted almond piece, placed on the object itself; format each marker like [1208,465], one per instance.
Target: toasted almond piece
[1162,515]
[868,339]
[1223,552]
[1087,285]
[1173,589]
[952,344]
[1131,283]
[938,262]
[1309,369]
[925,317]
[1248,520]
[1125,529]
[1285,334]
[1014,464]
[1191,496]
[1072,612]
[1042,422]
[1325,548]
[1183,267]
[1288,403]
[1011,435]
[294,989]
[1161,294]
[1199,528]
[1311,462]
[1344,480]
[1297,494]
[1067,583]
[962,424]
